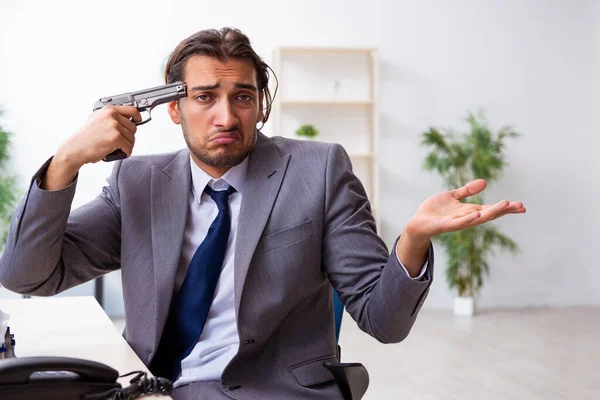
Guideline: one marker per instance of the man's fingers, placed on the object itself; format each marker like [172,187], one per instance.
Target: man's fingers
[491,212]
[127,123]
[470,189]
[511,210]
[129,112]
[516,205]
[125,145]
[126,134]
[501,209]
[467,209]
[465,221]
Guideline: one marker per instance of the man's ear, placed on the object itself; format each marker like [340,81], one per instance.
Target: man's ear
[173,109]
[259,117]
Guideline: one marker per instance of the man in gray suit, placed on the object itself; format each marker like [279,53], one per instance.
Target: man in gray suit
[295,219]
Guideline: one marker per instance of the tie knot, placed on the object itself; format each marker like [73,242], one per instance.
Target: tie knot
[220,197]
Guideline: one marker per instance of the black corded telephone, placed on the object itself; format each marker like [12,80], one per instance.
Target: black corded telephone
[54,378]
[50,378]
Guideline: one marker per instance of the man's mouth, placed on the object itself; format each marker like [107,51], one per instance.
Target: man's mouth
[226,137]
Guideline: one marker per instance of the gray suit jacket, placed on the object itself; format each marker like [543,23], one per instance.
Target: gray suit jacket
[305,225]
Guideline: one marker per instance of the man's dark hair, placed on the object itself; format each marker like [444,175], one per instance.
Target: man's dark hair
[224,44]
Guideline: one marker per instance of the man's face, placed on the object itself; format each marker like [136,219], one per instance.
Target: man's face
[219,115]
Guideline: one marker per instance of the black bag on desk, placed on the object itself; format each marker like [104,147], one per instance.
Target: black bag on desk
[62,378]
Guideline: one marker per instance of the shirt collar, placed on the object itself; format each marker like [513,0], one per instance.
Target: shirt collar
[235,176]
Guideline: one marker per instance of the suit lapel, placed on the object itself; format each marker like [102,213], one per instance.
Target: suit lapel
[266,169]
[170,190]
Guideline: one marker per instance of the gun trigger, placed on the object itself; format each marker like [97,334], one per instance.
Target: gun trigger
[144,120]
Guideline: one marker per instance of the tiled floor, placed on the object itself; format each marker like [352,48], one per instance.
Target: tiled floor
[527,354]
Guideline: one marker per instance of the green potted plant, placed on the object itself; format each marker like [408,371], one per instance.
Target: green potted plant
[307,131]
[459,160]
[8,192]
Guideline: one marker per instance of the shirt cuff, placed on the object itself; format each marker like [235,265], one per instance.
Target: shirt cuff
[423,269]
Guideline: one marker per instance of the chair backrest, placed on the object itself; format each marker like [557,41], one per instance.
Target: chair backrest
[352,378]
[338,311]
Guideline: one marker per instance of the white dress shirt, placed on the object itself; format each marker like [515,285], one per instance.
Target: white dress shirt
[219,340]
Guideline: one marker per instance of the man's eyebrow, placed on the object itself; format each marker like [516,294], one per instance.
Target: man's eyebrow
[205,87]
[248,86]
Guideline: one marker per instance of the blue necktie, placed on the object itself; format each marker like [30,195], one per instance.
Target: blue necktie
[190,308]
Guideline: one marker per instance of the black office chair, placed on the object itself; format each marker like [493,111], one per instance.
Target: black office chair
[352,378]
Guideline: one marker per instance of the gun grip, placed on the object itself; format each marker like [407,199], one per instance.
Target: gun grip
[118,154]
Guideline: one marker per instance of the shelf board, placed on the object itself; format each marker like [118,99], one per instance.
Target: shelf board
[342,50]
[326,103]
[361,155]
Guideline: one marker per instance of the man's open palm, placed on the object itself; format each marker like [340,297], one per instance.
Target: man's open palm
[444,211]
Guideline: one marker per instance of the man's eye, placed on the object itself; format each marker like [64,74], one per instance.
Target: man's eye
[203,98]
[245,97]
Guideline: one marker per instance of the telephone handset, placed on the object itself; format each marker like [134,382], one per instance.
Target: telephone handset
[52,378]
[63,378]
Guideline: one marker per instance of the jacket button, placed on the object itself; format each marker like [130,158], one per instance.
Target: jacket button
[251,341]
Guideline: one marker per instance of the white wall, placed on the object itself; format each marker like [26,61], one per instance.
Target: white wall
[528,63]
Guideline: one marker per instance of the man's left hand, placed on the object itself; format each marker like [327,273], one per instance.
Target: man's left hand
[444,212]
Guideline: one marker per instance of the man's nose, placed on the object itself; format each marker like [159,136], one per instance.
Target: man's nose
[225,115]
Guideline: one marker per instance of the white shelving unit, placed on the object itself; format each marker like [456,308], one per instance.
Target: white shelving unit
[335,90]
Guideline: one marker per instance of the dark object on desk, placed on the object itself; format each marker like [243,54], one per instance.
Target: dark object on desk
[62,378]
[52,378]
[141,385]
[7,347]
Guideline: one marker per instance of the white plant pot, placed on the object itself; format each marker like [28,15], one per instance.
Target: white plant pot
[464,306]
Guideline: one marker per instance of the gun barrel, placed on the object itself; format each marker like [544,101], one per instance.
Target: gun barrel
[146,99]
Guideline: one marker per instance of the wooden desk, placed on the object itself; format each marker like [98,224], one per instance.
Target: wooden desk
[70,327]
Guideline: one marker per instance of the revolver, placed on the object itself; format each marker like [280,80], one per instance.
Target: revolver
[144,100]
